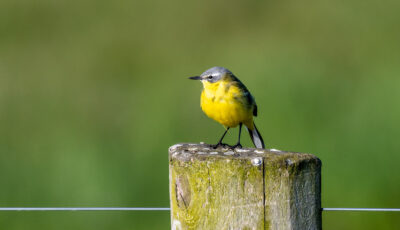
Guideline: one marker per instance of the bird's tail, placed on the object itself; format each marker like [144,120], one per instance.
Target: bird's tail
[256,137]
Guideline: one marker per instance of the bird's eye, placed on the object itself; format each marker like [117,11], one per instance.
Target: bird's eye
[210,77]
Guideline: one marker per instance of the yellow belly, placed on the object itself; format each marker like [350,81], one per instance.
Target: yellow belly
[226,110]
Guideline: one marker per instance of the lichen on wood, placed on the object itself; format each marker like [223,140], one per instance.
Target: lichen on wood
[242,188]
[292,191]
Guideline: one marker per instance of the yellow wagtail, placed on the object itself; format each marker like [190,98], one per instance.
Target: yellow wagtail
[226,100]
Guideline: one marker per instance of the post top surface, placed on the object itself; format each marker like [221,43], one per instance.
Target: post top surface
[189,151]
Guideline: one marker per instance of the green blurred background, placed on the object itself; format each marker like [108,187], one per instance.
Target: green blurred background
[92,94]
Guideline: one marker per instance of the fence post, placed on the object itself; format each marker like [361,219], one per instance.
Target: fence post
[243,188]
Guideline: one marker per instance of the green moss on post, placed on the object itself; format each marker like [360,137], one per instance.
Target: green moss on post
[243,189]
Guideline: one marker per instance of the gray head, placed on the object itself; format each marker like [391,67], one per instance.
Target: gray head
[213,74]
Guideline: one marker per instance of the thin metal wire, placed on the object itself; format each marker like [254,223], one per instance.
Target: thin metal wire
[83,209]
[363,209]
[167,209]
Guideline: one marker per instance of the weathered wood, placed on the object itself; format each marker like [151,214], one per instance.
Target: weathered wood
[243,188]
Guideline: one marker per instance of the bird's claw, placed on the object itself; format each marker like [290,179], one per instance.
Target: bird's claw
[220,145]
[238,145]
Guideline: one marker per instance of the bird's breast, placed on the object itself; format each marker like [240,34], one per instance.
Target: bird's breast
[224,105]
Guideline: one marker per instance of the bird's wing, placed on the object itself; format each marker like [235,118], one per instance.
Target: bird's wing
[246,98]
[250,101]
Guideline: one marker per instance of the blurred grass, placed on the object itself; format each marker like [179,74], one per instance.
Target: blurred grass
[92,93]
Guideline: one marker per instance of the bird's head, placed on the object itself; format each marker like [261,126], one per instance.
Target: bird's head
[214,75]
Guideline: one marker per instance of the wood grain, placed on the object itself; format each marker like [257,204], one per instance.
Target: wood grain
[243,188]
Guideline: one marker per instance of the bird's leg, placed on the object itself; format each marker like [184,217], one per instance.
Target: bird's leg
[238,143]
[220,140]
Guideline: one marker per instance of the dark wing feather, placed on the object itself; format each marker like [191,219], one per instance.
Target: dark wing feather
[248,98]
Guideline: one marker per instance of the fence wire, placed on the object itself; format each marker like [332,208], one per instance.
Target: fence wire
[167,209]
[83,209]
[363,209]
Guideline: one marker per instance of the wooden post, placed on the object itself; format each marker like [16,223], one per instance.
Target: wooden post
[243,188]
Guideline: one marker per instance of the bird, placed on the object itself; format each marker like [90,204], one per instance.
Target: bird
[226,100]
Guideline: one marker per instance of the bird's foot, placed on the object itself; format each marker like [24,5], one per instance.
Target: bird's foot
[219,145]
[238,145]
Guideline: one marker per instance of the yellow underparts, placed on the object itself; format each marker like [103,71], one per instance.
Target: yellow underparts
[225,103]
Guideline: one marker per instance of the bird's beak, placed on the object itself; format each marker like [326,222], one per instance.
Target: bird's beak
[195,78]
